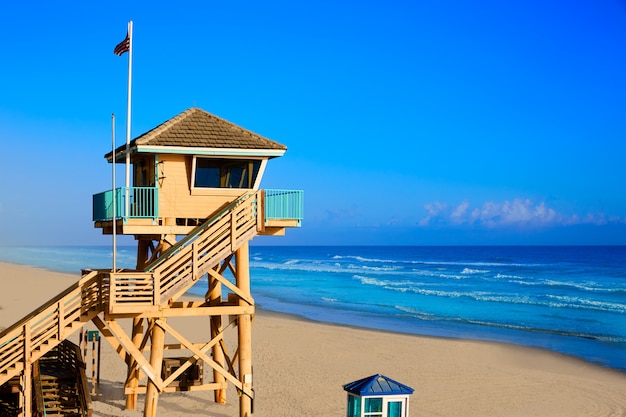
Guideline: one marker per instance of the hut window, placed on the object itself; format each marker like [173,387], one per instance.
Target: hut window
[373,407]
[394,409]
[225,173]
[354,406]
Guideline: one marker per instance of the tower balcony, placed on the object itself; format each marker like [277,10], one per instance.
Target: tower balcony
[136,211]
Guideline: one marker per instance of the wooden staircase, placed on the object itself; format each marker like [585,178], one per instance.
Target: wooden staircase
[60,383]
[130,292]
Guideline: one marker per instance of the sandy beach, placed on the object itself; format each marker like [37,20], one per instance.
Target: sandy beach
[300,367]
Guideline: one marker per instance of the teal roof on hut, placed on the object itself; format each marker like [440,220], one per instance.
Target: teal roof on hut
[377,385]
[377,396]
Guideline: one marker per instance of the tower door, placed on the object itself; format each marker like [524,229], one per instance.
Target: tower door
[144,173]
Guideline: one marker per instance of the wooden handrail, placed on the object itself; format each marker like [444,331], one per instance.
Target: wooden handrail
[43,329]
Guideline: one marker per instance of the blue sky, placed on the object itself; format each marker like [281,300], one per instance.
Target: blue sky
[447,122]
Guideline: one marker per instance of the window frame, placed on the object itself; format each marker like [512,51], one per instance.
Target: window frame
[200,190]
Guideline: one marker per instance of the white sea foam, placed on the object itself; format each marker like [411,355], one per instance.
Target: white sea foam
[468,271]
[578,302]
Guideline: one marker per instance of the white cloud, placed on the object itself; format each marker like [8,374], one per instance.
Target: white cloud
[434,210]
[458,215]
[514,213]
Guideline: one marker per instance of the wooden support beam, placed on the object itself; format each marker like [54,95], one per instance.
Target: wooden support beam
[121,340]
[244,333]
[106,333]
[194,311]
[242,293]
[156,363]
[204,387]
[133,376]
[214,296]
[200,353]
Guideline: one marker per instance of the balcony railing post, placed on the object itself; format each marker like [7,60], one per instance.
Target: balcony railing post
[141,202]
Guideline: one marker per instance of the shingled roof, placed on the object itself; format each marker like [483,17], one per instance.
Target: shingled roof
[196,128]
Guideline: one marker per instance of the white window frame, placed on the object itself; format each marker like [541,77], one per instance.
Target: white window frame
[404,399]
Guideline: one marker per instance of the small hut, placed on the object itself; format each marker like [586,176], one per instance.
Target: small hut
[377,396]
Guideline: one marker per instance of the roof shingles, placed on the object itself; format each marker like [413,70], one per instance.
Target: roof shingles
[199,129]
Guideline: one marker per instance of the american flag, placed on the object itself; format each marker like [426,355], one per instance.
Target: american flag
[123,46]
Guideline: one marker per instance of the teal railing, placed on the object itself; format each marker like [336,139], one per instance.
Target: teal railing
[136,202]
[143,203]
[284,204]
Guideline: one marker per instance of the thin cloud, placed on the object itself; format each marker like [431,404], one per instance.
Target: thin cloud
[514,213]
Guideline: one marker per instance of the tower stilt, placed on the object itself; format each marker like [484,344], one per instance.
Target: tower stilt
[214,297]
[244,333]
[156,361]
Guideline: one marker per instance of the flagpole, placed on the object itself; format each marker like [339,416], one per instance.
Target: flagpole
[114,219]
[128,108]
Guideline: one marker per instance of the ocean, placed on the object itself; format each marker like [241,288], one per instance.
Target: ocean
[568,299]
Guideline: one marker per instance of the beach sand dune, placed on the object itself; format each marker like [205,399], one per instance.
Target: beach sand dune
[300,367]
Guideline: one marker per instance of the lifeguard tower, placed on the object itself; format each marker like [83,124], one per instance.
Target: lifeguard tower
[193,207]
[377,396]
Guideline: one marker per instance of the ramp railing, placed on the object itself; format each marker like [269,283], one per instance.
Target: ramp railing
[43,329]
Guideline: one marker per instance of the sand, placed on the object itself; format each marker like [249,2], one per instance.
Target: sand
[300,367]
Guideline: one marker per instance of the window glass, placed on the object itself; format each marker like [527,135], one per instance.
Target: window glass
[225,173]
[207,173]
[394,409]
[354,406]
[373,407]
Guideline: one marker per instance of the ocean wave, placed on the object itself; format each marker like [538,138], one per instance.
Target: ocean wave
[333,268]
[577,302]
[469,271]
[421,315]
[392,284]
[590,286]
[486,296]
[421,262]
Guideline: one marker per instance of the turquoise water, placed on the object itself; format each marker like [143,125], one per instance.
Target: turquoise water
[568,299]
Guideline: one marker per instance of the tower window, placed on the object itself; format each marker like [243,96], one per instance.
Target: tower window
[225,173]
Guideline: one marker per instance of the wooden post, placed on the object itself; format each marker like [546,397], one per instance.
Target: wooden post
[132,380]
[143,246]
[244,332]
[214,297]
[27,383]
[156,361]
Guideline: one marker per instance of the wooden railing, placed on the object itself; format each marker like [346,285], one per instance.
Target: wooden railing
[43,329]
[178,269]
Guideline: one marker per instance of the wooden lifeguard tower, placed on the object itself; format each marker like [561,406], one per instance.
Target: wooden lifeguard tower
[197,177]
[377,396]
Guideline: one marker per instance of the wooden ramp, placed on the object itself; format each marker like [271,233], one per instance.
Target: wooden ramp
[105,296]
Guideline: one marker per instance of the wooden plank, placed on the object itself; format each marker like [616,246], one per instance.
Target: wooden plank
[204,387]
[122,340]
[200,353]
[26,385]
[246,297]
